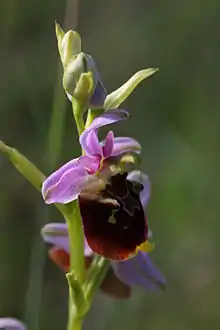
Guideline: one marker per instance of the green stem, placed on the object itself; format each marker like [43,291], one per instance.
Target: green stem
[78,116]
[95,277]
[92,114]
[76,239]
[74,322]
[92,270]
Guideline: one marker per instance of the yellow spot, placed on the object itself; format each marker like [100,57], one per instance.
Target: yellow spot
[101,164]
[112,219]
[145,247]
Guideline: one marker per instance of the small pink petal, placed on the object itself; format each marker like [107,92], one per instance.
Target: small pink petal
[92,144]
[88,144]
[108,145]
[107,118]
[125,144]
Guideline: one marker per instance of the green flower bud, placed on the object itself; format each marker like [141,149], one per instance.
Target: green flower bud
[69,44]
[81,79]
[78,78]
[73,72]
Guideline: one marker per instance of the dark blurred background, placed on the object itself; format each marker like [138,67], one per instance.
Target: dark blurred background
[175,116]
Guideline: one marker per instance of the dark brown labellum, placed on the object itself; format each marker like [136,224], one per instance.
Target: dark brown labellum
[113,219]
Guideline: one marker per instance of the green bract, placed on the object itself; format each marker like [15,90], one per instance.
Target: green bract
[116,98]
[23,165]
[77,295]
[27,169]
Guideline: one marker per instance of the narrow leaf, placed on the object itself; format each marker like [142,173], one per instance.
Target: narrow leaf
[28,170]
[23,165]
[116,98]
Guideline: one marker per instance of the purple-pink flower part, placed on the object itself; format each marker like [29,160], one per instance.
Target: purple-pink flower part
[138,270]
[65,184]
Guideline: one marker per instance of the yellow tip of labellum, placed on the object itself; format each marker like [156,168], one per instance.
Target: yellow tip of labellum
[145,247]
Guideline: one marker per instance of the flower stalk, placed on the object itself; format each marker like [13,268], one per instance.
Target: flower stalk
[78,306]
[76,238]
[78,116]
[100,265]
[95,276]
[74,323]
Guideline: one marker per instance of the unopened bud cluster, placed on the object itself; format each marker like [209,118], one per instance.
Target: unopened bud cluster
[81,79]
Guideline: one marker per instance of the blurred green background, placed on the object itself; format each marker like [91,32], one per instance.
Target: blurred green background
[175,116]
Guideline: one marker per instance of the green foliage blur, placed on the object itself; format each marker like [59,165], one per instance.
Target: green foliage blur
[175,116]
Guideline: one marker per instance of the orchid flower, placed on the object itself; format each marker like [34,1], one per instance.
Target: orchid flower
[65,184]
[137,270]
[122,275]
[110,205]
[56,234]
